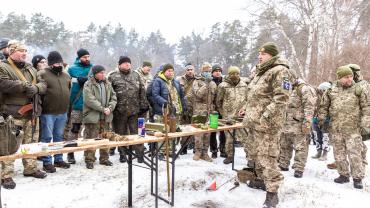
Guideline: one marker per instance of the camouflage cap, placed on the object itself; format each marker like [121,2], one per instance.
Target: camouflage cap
[233,69]
[270,48]
[15,45]
[354,67]
[343,71]
[147,63]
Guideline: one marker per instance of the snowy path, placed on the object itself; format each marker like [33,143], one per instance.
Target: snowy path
[106,187]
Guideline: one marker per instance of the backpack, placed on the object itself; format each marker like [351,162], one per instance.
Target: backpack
[10,135]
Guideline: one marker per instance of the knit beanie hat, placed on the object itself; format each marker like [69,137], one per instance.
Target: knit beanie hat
[147,63]
[4,43]
[343,71]
[124,59]
[82,52]
[354,67]
[270,48]
[233,69]
[96,69]
[14,46]
[36,59]
[216,67]
[54,57]
[166,67]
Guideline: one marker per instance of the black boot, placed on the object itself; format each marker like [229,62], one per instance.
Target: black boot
[228,160]
[122,158]
[112,151]
[283,168]
[341,179]
[214,155]
[271,200]
[257,184]
[8,183]
[298,174]
[71,158]
[184,151]
[357,183]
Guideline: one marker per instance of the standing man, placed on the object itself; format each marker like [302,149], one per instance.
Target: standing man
[268,95]
[99,103]
[202,99]
[4,53]
[297,128]
[131,102]
[186,83]
[217,78]
[54,108]
[79,72]
[230,99]
[19,87]
[144,72]
[347,105]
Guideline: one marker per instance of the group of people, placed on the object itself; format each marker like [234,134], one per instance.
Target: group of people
[280,111]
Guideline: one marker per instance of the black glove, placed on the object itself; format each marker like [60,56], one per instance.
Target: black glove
[31,90]
[165,105]
[81,80]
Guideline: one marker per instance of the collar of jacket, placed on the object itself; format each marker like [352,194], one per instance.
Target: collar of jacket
[262,68]
[162,76]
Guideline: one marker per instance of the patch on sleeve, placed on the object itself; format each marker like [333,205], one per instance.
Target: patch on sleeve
[286,84]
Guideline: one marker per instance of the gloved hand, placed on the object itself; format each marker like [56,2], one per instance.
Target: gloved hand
[31,90]
[81,80]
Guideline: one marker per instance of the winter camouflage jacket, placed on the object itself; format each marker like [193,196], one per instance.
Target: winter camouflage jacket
[146,78]
[347,107]
[93,110]
[268,95]
[130,92]
[301,109]
[202,96]
[230,97]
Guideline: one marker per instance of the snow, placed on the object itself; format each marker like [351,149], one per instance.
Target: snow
[106,187]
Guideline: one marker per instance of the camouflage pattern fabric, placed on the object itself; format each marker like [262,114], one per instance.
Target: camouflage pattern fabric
[92,131]
[297,142]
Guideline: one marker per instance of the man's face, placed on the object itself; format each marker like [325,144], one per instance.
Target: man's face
[146,69]
[169,74]
[42,65]
[125,66]
[19,55]
[85,59]
[100,75]
[217,73]
[189,72]
[234,76]
[263,57]
[346,80]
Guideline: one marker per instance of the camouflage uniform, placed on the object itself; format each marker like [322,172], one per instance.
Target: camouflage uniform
[146,78]
[229,100]
[268,95]
[349,110]
[296,133]
[131,100]
[14,97]
[202,100]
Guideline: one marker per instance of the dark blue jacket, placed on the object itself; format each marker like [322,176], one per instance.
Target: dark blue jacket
[160,94]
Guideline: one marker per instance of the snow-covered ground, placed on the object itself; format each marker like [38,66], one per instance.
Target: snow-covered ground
[106,187]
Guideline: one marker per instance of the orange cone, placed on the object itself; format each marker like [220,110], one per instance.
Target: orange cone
[213,186]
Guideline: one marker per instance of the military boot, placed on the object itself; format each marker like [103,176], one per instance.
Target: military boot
[283,168]
[89,165]
[250,163]
[357,183]
[318,154]
[196,156]
[324,156]
[71,158]
[112,151]
[228,160]
[341,179]
[8,183]
[122,158]
[214,155]
[206,157]
[298,174]
[184,151]
[332,165]
[257,184]
[271,200]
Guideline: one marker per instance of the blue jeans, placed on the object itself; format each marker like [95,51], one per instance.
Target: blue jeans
[52,128]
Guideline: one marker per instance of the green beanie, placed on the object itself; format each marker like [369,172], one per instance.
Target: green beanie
[354,67]
[166,67]
[269,48]
[233,69]
[147,63]
[343,71]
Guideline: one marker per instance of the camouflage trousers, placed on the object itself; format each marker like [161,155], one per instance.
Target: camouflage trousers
[73,127]
[201,143]
[348,146]
[297,142]
[93,131]
[30,165]
[266,152]
[240,135]
[363,153]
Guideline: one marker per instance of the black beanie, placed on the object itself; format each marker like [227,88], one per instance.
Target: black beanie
[167,66]
[4,43]
[82,52]
[216,67]
[97,68]
[123,59]
[54,57]
[36,59]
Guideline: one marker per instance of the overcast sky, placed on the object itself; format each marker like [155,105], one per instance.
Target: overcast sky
[174,18]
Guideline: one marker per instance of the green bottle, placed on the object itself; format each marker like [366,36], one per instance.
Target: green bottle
[213,120]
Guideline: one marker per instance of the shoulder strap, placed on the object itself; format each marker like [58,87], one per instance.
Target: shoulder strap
[19,74]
